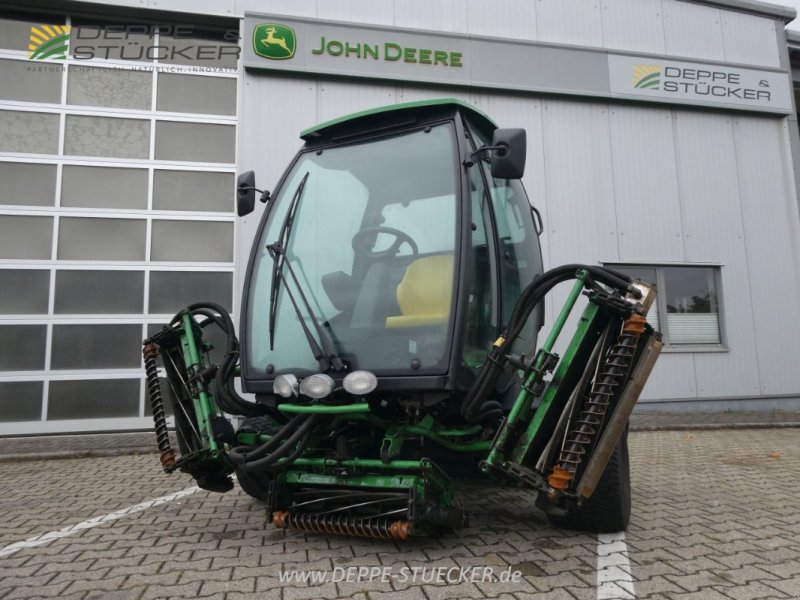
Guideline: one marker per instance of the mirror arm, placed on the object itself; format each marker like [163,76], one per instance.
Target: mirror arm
[265,194]
[483,151]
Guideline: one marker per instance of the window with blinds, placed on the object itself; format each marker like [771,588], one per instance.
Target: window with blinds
[688,308]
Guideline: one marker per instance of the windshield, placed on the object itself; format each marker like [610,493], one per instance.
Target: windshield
[372,244]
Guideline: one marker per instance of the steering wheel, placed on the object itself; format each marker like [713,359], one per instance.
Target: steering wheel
[369,234]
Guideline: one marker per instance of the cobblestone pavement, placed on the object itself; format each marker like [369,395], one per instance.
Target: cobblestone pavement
[715,516]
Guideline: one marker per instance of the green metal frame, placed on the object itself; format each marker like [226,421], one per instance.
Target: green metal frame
[204,405]
[585,326]
[522,405]
[518,442]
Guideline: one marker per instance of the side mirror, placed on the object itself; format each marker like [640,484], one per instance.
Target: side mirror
[245,193]
[510,147]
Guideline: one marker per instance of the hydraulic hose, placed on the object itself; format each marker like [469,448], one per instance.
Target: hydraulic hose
[532,295]
[227,397]
[290,449]
[242,454]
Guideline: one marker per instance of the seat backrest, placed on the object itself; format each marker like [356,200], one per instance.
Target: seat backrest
[424,293]
[371,302]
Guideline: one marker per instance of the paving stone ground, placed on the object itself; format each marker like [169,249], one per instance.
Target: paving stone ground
[715,515]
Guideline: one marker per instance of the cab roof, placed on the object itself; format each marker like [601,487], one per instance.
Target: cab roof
[366,119]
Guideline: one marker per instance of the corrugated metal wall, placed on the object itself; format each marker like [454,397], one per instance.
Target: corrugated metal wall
[621,184]
[614,183]
[675,27]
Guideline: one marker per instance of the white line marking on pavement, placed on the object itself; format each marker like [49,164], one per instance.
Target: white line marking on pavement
[46,538]
[614,579]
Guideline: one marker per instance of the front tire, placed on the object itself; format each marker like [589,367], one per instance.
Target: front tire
[608,510]
[254,484]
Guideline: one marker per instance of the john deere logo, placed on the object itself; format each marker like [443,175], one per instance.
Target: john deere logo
[274,41]
[48,42]
[647,77]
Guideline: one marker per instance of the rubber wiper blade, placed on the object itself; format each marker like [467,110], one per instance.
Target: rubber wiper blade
[277,253]
[279,257]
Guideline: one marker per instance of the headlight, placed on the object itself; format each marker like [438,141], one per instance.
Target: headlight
[317,386]
[359,383]
[285,385]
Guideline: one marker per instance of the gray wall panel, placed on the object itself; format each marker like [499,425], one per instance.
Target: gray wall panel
[438,15]
[29,85]
[693,30]
[747,39]
[672,377]
[22,347]
[99,292]
[196,94]
[21,401]
[193,190]
[106,136]
[304,8]
[769,207]
[645,185]
[380,12]
[193,241]
[93,399]
[26,237]
[713,232]
[93,86]
[27,184]
[101,239]
[582,223]
[195,141]
[24,291]
[101,346]
[565,21]
[32,132]
[483,18]
[103,187]
[336,98]
[170,291]
[633,25]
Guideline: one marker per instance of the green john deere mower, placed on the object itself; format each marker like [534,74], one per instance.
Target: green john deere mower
[389,321]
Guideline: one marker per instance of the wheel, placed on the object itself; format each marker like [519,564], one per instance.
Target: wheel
[255,484]
[608,510]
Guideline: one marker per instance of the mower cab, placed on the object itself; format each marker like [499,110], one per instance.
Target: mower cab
[396,254]
[390,314]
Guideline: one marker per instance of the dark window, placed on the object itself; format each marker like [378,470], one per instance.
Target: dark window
[687,311]
[93,399]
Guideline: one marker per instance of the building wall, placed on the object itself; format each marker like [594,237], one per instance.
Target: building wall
[621,184]
[116,209]
[616,183]
[673,27]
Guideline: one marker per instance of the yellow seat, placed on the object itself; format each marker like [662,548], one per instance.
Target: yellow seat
[424,293]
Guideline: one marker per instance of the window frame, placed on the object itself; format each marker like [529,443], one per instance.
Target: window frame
[661,304]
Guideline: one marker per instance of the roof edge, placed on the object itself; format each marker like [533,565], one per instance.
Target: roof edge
[756,7]
[319,129]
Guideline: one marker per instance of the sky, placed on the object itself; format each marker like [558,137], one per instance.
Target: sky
[794,25]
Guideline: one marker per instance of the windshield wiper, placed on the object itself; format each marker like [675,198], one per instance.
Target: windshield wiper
[325,355]
[278,258]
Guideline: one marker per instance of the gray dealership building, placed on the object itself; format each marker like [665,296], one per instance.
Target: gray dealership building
[662,140]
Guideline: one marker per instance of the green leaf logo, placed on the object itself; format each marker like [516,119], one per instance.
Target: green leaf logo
[274,41]
[647,77]
[48,42]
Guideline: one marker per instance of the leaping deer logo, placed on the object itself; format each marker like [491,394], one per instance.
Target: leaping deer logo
[274,41]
